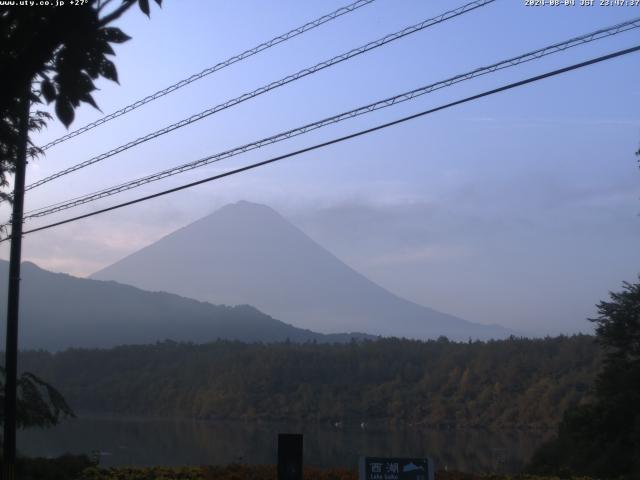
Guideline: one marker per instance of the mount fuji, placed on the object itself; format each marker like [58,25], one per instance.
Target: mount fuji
[247,253]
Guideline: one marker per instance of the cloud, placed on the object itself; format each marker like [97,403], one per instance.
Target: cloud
[427,253]
[79,267]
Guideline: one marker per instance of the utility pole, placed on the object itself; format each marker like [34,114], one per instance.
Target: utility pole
[13,301]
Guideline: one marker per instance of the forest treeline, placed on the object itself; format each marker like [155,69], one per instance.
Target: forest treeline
[514,383]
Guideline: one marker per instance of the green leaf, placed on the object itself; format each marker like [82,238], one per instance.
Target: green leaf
[64,111]
[144,6]
[114,35]
[48,90]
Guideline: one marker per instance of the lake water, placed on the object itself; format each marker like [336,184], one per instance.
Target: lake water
[146,442]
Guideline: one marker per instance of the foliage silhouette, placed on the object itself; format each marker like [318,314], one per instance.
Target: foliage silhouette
[56,54]
[39,403]
[602,438]
[53,55]
[66,467]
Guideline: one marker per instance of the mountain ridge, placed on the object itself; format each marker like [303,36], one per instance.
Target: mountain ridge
[248,253]
[59,311]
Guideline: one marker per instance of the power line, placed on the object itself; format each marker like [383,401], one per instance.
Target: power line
[208,71]
[273,85]
[342,139]
[536,54]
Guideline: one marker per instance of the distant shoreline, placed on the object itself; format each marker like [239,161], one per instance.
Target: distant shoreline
[351,425]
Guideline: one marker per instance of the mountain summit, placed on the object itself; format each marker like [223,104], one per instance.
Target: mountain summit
[246,253]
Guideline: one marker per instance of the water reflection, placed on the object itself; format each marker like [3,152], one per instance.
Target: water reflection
[145,442]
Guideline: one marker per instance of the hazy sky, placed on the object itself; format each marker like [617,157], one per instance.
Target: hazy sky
[519,209]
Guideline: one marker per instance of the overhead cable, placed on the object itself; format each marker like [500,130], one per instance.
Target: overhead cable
[271,86]
[387,102]
[208,71]
[340,139]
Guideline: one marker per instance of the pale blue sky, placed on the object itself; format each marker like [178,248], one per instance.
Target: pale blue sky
[519,209]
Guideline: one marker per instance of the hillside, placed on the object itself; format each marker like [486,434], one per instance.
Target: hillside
[516,383]
[247,253]
[58,311]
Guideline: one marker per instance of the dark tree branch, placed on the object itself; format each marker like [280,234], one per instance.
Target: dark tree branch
[117,13]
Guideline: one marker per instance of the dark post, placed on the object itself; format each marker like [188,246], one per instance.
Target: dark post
[289,456]
[11,352]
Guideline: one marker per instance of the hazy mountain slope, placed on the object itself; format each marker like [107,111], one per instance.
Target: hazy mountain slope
[59,311]
[248,253]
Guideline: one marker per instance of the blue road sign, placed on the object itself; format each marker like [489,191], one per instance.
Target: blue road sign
[391,468]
